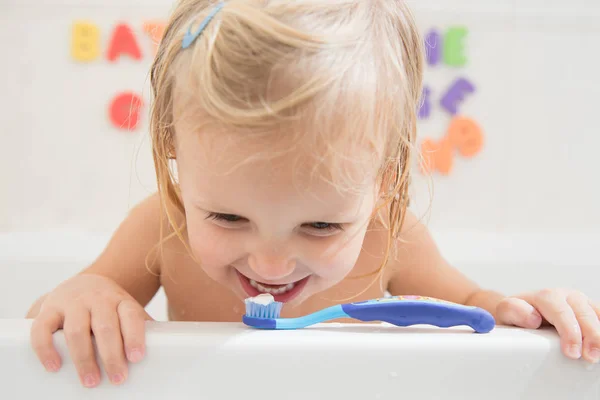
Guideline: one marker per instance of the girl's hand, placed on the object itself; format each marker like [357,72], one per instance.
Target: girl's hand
[572,313]
[87,304]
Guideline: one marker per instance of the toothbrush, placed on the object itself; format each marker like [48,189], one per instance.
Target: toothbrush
[263,312]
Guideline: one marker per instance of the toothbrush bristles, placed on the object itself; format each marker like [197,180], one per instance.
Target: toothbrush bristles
[255,310]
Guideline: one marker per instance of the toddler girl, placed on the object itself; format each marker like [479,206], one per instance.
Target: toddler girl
[283,133]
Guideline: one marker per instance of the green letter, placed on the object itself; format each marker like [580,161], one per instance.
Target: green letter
[453,47]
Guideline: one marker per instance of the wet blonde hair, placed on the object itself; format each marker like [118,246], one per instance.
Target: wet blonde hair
[349,71]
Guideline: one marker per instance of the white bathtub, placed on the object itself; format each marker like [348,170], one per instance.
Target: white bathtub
[230,361]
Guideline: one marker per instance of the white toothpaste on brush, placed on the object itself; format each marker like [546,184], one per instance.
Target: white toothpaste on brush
[263,299]
[263,306]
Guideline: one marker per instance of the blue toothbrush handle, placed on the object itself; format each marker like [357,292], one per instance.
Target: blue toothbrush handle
[406,312]
[326,314]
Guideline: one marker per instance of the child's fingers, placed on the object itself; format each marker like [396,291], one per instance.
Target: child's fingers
[132,318]
[79,341]
[595,307]
[107,331]
[589,323]
[518,312]
[553,306]
[42,329]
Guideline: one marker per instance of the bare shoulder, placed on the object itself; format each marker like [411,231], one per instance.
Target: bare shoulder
[414,236]
[418,267]
[132,257]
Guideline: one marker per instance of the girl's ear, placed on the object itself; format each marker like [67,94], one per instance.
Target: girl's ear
[388,180]
[171,155]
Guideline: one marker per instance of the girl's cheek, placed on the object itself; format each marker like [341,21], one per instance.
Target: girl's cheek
[212,246]
[337,259]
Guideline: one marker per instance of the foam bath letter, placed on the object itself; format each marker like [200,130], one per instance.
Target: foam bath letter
[85,41]
[155,30]
[455,94]
[123,42]
[425,106]
[437,156]
[433,47]
[125,111]
[466,136]
[454,47]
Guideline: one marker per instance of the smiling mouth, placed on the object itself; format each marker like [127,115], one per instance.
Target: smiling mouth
[282,293]
[272,289]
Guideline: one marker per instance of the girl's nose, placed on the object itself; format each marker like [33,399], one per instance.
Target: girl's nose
[271,264]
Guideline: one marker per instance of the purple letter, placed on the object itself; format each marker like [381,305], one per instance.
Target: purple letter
[433,47]
[456,94]
[425,106]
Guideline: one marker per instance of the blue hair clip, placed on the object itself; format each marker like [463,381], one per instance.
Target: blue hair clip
[190,36]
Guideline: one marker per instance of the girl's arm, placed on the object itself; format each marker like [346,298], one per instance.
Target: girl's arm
[106,301]
[420,269]
[124,258]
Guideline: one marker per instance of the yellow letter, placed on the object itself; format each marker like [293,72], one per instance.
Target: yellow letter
[85,43]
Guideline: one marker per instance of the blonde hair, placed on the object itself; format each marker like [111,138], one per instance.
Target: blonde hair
[261,63]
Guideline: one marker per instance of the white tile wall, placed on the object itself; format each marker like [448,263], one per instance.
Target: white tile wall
[534,63]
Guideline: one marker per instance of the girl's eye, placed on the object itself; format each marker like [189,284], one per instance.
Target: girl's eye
[224,217]
[317,227]
[325,226]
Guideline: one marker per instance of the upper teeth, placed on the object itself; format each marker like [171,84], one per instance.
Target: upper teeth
[264,289]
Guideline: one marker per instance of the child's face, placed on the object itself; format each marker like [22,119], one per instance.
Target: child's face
[265,225]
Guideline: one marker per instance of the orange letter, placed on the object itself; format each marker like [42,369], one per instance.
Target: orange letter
[125,111]
[156,31]
[437,156]
[466,136]
[85,43]
[123,41]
